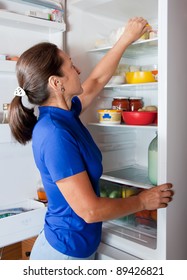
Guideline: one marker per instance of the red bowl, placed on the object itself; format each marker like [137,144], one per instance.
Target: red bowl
[139,117]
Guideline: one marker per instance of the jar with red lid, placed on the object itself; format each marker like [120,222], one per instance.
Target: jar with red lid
[120,103]
[135,103]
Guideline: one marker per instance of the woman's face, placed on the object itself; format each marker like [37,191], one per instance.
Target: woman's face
[71,80]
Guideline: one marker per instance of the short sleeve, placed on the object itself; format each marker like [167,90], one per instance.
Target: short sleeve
[62,156]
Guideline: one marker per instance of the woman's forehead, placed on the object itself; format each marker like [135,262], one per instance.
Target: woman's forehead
[64,55]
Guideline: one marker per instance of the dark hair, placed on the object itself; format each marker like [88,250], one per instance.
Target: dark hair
[33,68]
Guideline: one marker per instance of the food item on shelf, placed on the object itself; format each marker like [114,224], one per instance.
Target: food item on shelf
[135,103]
[13,58]
[41,194]
[139,77]
[109,116]
[134,68]
[150,108]
[153,34]
[38,14]
[154,215]
[117,80]
[153,68]
[115,194]
[145,36]
[155,72]
[145,214]
[128,191]
[5,113]
[120,103]
[139,117]
[103,193]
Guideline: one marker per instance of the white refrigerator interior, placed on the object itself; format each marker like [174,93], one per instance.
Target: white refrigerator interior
[18,174]
[91,31]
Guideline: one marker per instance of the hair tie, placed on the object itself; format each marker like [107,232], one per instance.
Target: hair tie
[19,92]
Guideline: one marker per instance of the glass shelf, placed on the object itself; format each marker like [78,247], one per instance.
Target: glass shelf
[138,48]
[135,176]
[124,126]
[142,86]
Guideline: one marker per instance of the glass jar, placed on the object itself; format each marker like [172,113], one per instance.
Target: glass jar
[155,71]
[120,103]
[153,160]
[5,112]
[135,103]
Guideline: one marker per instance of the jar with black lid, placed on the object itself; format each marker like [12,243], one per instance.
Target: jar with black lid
[120,103]
[135,103]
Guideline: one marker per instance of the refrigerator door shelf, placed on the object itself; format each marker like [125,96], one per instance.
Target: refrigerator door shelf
[29,23]
[24,225]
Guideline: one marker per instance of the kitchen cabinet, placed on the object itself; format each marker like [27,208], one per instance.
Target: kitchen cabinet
[17,251]
[125,146]
[19,176]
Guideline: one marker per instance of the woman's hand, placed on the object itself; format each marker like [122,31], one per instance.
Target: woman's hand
[156,197]
[135,28]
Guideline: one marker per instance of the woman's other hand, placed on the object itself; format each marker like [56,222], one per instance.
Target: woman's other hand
[156,197]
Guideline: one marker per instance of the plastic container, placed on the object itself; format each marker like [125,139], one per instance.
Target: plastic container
[153,160]
[139,77]
[109,116]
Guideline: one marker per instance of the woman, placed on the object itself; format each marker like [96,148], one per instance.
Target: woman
[65,153]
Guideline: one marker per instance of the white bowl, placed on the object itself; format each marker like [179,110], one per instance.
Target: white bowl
[117,80]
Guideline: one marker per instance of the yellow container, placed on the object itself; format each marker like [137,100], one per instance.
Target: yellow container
[139,77]
[109,116]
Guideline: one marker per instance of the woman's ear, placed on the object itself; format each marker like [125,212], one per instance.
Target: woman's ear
[55,83]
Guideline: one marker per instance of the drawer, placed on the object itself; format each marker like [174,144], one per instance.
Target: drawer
[24,225]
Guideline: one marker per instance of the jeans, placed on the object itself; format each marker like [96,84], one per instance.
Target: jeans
[42,250]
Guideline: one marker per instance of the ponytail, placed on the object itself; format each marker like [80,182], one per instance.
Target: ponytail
[21,121]
[33,68]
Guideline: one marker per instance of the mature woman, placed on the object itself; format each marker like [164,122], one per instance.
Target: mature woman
[69,161]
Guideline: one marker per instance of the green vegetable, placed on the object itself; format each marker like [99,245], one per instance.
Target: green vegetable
[115,194]
[103,194]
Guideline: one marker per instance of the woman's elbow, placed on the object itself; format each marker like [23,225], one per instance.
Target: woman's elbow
[90,216]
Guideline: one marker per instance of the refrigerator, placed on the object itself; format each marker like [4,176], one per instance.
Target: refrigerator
[89,30]
[91,26]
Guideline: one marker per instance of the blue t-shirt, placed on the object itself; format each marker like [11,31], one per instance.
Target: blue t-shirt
[63,147]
